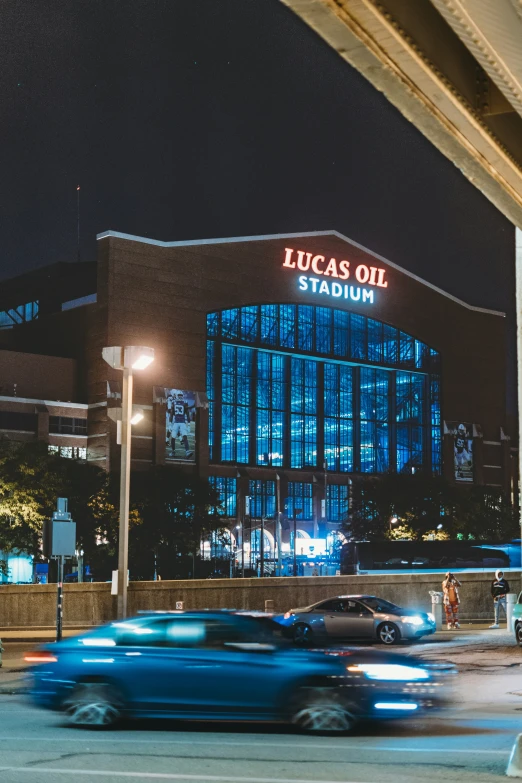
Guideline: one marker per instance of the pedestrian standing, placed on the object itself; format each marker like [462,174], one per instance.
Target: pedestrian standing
[499,590]
[450,588]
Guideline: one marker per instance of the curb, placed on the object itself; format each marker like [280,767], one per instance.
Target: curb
[16,687]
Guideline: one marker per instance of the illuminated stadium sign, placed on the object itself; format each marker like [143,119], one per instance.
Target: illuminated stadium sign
[368,277]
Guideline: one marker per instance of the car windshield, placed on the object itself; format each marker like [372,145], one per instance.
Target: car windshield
[379,605]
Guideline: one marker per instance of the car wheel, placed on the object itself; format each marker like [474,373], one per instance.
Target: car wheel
[388,633]
[302,634]
[93,704]
[317,710]
[518,634]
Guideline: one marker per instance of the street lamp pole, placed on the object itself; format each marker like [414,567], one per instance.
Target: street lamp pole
[126,358]
[123,538]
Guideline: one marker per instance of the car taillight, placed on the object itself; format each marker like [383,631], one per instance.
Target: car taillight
[40,657]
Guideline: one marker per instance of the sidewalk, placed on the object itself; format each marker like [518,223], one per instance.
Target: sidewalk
[37,634]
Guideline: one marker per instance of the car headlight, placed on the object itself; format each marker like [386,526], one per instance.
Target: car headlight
[431,617]
[412,619]
[390,671]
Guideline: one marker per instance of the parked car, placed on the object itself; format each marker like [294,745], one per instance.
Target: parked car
[224,666]
[355,617]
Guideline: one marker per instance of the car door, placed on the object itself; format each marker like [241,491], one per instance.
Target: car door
[144,665]
[221,668]
[348,619]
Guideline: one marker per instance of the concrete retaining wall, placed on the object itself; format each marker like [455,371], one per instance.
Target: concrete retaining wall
[92,604]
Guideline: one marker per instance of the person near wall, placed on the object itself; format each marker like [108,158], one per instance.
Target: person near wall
[450,589]
[499,590]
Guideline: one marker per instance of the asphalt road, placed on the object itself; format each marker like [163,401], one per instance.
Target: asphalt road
[471,742]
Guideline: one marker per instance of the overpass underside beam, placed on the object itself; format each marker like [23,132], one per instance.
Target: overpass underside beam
[411,54]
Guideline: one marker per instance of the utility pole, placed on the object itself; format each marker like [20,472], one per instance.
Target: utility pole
[296,512]
[59,542]
[262,545]
[518,286]
[278,524]
[78,217]
[59,600]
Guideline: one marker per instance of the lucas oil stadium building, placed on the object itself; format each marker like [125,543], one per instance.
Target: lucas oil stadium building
[286,367]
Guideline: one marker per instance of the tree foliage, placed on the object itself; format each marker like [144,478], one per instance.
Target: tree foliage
[412,507]
[176,511]
[169,515]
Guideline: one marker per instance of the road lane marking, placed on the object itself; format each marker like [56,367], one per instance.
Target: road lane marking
[161,775]
[259,744]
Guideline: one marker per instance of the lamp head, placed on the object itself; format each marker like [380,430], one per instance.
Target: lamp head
[137,416]
[136,357]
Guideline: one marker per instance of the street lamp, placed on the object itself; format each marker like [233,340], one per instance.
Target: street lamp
[393,521]
[128,358]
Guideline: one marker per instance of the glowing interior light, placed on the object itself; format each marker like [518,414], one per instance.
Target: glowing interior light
[142,361]
[98,642]
[137,417]
[391,671]
[390,705]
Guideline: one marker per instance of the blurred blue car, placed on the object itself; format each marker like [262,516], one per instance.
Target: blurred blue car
[219,665]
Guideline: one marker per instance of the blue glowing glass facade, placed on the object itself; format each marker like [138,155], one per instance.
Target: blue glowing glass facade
[226,489]
[293,386]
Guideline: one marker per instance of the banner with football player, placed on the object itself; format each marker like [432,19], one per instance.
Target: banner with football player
[180,425]
[462,433]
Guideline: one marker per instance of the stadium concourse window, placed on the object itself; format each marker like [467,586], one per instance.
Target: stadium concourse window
[300,498]
[18,422]
[262,499]
[337,499]
[227,492]
[70,452]
[18,315]
[294,386]
[63,425]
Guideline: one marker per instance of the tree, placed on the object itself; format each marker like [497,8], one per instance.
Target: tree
[420,504]
[170,512]
[176,511]
[399,505]
[485,514]
[31,480]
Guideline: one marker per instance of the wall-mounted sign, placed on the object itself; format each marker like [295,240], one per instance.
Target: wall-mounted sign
[180,425]
[363,279]
[462,434]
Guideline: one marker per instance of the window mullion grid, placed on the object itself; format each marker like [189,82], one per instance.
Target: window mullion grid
[320,415]
[287,416]
[392,418]
[217,361]
[426,423]
[252,412]
[356,392]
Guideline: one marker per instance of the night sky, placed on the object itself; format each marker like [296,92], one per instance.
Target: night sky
[185,119]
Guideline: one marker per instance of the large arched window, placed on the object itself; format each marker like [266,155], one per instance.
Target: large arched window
[294,386]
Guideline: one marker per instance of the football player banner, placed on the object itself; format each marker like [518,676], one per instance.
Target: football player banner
[462,434]
[180,425]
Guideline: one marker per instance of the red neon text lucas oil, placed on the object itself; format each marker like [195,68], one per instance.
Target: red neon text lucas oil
[366,275]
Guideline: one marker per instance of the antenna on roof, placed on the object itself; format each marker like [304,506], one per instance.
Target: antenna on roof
[78,217]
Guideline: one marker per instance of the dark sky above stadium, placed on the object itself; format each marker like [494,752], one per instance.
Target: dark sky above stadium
[184,119]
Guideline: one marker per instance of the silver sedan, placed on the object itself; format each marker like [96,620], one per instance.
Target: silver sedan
[361,617]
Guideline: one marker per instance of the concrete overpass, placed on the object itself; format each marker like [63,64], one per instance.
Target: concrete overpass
[454,69]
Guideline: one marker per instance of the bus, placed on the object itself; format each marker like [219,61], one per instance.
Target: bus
[377,556]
